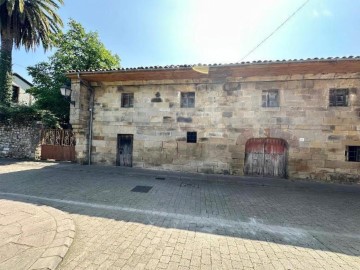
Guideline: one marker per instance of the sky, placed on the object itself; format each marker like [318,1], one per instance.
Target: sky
[173,32]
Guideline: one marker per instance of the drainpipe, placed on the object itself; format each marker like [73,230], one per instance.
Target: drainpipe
[91,110]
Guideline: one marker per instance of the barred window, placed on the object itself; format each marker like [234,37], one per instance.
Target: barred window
[187,100]
[338,97]
[270,98]
[127,100]
[191,137]
[353,153]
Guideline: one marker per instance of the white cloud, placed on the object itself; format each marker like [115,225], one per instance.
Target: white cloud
[321,13]
[326,13]
[315,13]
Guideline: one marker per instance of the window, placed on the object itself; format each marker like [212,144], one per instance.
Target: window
[353,153]
[270,98]
[15,94]
[127,100]
[338,97]
[191,137]
[187,100]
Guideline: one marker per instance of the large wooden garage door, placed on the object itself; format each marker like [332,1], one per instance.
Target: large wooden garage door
[266,157]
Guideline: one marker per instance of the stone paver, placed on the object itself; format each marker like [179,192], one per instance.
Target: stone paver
[193,221]
[29,236]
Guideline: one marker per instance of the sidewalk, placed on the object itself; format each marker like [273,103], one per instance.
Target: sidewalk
[33,237]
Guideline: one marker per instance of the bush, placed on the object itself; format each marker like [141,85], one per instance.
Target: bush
[27,114]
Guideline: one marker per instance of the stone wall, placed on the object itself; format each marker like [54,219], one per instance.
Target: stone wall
[228,112]
[20,141]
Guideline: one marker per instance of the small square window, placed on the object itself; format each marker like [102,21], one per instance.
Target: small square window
[127,100]
[187,100]
[191,137]
[270,98]
[353,153]
[338,97]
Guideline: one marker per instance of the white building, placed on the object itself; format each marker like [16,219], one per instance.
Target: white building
[19,87]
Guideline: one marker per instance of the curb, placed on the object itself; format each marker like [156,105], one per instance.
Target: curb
[65,233]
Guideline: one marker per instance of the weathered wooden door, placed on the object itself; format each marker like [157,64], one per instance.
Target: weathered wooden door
[266,157]
[124,150]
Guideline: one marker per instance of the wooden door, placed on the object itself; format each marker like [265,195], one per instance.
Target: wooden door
[266,157]
[124,150]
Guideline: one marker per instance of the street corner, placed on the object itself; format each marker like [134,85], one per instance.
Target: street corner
[33,236]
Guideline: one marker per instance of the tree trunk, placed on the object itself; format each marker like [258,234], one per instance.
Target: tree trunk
[6,67]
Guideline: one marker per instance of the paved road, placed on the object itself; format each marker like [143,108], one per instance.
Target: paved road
[189,221]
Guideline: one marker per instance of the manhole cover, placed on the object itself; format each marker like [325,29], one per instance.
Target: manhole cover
[189,185]
[142,189]
[160,178]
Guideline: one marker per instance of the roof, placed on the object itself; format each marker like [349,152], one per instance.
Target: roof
[242,69]
[22,78]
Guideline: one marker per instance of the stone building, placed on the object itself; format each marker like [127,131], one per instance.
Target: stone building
[19,87]
[297,119]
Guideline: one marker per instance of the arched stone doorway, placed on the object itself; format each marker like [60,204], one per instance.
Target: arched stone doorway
[266,157]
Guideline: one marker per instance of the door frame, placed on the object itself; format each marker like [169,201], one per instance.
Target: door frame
[118,144]
[275,149]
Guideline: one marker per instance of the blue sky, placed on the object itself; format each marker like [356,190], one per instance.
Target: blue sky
[164,32]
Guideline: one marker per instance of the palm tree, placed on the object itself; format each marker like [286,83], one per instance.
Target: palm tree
[27,23]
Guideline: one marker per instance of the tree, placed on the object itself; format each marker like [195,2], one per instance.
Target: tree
[28,24]
[75,50]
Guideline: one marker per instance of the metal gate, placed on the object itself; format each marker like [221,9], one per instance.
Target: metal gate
[266,157]
[58,144]
[124,150]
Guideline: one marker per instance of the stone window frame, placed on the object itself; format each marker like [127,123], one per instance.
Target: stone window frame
[127,100]
[339,97]
[352,153]
[187,100]
[270,98]
[191,137]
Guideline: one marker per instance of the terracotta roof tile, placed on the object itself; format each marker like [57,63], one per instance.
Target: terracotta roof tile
[184,66]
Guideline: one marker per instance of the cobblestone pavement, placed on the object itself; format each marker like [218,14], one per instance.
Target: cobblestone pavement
[33,237]
[189,221]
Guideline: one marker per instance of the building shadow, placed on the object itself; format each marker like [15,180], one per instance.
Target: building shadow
[297,213]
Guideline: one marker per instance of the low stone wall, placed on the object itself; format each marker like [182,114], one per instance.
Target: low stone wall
[20,141]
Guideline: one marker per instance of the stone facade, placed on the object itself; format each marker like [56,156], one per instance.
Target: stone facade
[20,141]
[228,112]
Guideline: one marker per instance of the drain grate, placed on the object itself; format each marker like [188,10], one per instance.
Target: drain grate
[142,189]
[189,185]
[160,178]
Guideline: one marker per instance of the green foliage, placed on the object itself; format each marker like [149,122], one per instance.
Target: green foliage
[27,114]
[27,24]
[30,23]
[76,50]
[5,77]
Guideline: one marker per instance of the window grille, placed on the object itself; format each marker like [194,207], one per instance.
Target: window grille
[353,153]
[127,100]
[338,97]
[270,98]
[187,100]
[191,137]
